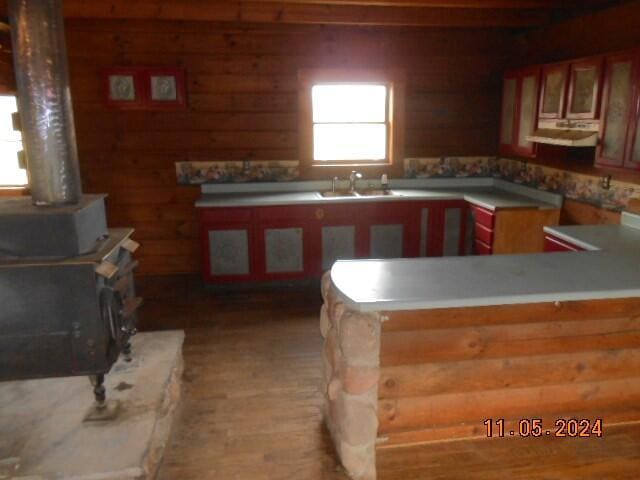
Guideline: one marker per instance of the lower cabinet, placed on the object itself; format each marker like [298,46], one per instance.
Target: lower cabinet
[510,230]
[303,241]
[555,244]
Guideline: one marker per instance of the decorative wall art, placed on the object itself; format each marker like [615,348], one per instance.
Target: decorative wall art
[123,88]
[145,88]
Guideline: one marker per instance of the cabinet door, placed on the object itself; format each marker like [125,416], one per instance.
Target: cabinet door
[618,93]
[633,156]
[508,117]
[453,232]
[584,89]
[554,85]
[284,250]
[228,252]
[338,243]
[528,89]
[386,241]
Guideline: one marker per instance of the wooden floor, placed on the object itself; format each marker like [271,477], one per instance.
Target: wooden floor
[251,407]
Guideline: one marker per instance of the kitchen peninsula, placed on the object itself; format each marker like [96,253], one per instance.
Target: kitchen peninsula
[429,350]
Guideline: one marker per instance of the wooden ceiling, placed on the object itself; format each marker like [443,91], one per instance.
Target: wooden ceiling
[433,13]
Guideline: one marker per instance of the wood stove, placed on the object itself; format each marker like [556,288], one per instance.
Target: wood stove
[67,296]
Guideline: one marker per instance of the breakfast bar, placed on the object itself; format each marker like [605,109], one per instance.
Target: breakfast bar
[431,350]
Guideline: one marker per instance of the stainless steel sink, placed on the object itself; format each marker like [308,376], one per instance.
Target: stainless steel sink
[337,194]
[377,193]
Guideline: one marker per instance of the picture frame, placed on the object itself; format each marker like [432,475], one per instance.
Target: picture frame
[165,88]
[123,88]
[144,88]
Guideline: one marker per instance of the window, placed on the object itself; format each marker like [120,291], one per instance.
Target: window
[350,118]
[350,122]
[10,144]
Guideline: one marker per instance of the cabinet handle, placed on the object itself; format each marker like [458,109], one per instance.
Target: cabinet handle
[319,213]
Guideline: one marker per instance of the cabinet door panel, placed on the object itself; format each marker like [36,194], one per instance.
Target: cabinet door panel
[229,252]
[424,232]
[452,231]
[554,82]
[338,243]
[386,241]
[584,88]
[634,159]
[284,250]
[528,110]
[508,111]
[618,94]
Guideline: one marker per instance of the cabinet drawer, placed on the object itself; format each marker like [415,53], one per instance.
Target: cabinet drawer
[553,244]
[483,234]
[484,216]
[482,248]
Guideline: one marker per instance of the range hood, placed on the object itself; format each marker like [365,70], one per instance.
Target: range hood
[566,133]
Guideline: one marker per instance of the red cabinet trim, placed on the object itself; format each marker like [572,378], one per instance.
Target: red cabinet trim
[554,244]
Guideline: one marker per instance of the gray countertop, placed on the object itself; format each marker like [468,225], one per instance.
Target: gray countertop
[610,270]
[615,238]
[415,284]
[491,194]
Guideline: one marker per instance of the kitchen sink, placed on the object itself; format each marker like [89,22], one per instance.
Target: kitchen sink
[337,194]
[376,193]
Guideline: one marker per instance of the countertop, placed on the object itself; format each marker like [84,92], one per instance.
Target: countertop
[610,270]
[491,194]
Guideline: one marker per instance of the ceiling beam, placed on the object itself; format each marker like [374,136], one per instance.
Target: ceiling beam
[262,11]
[509,4]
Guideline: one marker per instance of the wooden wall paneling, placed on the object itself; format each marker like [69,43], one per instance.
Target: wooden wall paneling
[242,104]
[443,372]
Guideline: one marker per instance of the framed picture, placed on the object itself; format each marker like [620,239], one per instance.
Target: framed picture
[124,87]
[165,87]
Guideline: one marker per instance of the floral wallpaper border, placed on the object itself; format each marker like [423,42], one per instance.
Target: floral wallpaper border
[577,186]
[197,173]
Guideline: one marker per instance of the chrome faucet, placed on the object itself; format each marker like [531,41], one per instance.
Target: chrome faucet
[352,180]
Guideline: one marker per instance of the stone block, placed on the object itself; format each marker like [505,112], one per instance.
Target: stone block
[358,380]
[360,339]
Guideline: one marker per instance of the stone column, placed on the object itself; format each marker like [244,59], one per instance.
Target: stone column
[351,358]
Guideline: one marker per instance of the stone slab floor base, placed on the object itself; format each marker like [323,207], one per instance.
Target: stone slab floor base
[43,437]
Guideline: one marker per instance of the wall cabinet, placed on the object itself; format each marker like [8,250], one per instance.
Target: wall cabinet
[584,89]
[519,111]
[553,91]
[617,111]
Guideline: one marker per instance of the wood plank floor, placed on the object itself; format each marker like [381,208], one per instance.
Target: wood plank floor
[252,408]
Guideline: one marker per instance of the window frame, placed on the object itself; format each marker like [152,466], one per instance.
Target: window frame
[6,189]
[393,79]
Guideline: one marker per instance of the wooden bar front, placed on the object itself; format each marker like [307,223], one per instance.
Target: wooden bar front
[443,372]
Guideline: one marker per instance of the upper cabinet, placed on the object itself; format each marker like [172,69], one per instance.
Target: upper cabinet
[619,128]
[571,90]
[579,103]
[584,89]
[553,93]
[519,111]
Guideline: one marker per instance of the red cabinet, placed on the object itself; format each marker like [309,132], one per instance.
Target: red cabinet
[303,241]
[619,112]
[484,223]
[584,89]
[553,91]
[519,111]
[555,244]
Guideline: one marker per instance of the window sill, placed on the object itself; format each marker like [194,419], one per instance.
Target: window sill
[14,191]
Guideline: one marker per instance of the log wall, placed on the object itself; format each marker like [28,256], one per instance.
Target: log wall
[242,104]
[444,372]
